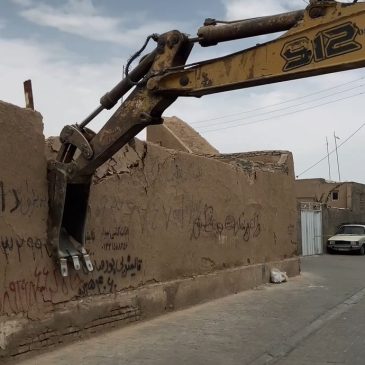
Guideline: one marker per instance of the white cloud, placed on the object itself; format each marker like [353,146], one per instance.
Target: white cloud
[82,18]
[242,9]
[23,2]
[64,92]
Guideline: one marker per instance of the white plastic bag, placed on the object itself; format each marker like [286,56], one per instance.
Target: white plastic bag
[278,276]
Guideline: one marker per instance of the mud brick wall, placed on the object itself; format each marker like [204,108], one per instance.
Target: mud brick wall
[156,215]
[23,209]
[176,214]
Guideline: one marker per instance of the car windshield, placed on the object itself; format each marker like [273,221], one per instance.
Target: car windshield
[351,230]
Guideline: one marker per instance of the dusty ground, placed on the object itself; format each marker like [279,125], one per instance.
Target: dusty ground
[318,318]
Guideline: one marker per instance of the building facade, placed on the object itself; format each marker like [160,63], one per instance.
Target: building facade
[337,202]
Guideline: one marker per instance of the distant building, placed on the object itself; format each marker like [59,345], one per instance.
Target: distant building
[323,206]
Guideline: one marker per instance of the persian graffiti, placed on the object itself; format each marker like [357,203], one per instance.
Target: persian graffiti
[121,266]
[115,239]
[243,225]
[184,213]
[109,272]
[19,246]
[24,200]
[43,285]
[155,215]
[46,285]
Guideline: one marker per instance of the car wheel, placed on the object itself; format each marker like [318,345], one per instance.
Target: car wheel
[330,251]
[362,250]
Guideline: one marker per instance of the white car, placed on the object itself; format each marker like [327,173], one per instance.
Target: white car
[349,237]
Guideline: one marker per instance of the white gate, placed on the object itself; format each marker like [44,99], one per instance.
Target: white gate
[311,218]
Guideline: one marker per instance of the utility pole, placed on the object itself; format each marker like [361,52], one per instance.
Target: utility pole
[338,164]
[328,158]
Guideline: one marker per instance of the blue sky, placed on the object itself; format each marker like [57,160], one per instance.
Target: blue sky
[74,51]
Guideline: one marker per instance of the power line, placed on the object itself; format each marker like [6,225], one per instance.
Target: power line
[285,108]
[280,103]
[281,115]
[334,150]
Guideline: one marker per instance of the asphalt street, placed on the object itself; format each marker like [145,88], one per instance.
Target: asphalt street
[316,318]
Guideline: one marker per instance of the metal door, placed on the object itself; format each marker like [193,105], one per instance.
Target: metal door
[311,221]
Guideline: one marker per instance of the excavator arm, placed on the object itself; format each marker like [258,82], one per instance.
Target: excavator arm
[325,37]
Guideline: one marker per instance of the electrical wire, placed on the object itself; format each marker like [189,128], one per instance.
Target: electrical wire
[285,108]
[282,115]
[276,104]
[330,153]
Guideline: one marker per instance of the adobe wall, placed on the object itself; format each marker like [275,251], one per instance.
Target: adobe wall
[174,133]
[319,190]
[349,208]
[166,230]
[358,199]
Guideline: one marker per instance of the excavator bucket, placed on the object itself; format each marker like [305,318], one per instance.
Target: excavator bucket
[69,187]
[67,220]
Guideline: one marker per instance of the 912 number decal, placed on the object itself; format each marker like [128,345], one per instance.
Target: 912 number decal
[328,43]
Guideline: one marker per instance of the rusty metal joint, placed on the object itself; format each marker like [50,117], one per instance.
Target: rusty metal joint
[174,40]
[317,9]
[66,169]
[145,118]
[107,101]
[73,135]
